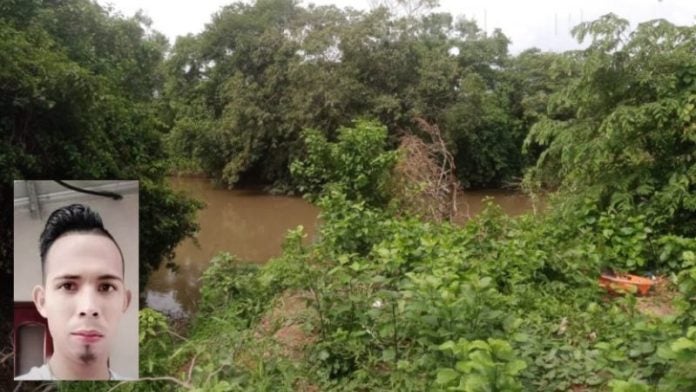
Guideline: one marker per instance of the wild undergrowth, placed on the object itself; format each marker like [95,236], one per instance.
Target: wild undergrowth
[499,304]
[391,302]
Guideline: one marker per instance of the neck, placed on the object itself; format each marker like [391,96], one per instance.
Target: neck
[64,368]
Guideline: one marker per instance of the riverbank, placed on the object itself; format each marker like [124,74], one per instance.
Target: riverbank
[391,303]
[252,225]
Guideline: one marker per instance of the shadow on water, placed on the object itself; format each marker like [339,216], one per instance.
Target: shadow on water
[252,225]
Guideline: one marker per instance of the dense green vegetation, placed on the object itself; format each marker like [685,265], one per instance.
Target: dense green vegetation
[241,92]
[400,304]
[78,101]
[78,105]
[627,142]
[500,304]
[313,100]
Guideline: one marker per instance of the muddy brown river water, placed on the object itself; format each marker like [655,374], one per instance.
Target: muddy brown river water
[252,225]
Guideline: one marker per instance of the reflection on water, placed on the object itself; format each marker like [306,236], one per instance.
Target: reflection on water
[165,302]
[252,225]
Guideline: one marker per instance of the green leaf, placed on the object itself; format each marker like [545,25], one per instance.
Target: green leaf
[594,380]
[665,352]
[477,383]
[501,349]
[520,337]
[682,344]
[446,376]
[514,367]
[448,345]
[628,386]
[479,345]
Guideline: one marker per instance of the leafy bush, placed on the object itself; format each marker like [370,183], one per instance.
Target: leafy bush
[156,343]
[481,366]
[230,285]
[626,140]
[682,351]
[357,164]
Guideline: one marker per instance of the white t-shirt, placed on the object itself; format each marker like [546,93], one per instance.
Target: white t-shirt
[43,373]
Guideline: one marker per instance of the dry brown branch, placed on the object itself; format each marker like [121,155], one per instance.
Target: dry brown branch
[176,335]
[5,356]
[425,176]
[207,380]
[190,371]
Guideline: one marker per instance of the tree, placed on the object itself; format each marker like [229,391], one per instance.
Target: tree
[236,72]
[241,92]
[77,100]
[357,164]
[630,141]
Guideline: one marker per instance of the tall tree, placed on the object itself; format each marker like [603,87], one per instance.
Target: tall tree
[241,91]
[629,142]
[77,100]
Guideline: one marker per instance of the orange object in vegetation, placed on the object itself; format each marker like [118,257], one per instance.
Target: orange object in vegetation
[626,283]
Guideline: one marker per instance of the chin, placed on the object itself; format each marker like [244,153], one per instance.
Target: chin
[96,350]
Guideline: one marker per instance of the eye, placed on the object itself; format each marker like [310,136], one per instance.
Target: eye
[67,286]
[106,287]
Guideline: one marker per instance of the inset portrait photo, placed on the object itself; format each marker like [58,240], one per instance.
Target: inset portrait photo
[75,280]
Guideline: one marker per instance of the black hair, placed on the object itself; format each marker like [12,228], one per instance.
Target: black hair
[75,218]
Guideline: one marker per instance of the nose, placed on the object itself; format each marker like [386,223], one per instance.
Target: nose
[88,304]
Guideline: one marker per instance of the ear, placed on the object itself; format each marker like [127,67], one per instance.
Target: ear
[39,297]
[127,300]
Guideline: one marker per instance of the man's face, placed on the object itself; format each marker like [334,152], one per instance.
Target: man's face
[83,297]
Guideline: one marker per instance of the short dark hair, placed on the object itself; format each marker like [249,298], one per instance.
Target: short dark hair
[75,218]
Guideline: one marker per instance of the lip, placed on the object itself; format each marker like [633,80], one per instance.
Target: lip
[88,336]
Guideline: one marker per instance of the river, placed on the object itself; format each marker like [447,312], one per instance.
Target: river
[252,225]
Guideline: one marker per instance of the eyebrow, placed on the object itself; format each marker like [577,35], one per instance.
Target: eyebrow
[78,277]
